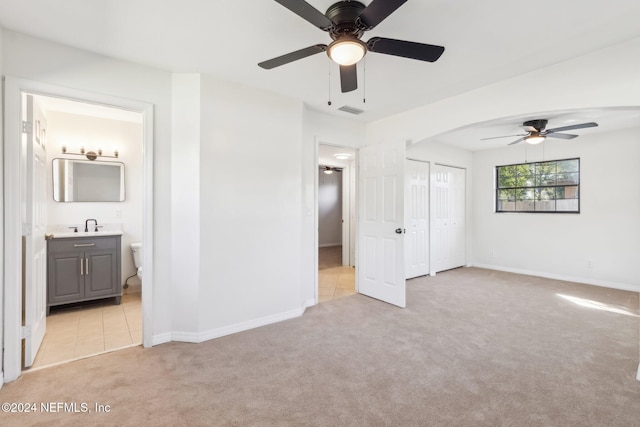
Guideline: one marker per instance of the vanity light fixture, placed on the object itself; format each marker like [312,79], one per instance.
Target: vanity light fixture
[91,155]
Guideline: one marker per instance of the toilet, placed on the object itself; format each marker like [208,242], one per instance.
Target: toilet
[136,248]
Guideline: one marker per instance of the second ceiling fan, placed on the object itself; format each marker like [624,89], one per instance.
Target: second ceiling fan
[346,23]
[537,132]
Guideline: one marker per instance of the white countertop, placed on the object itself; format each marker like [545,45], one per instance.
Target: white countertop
[66,231]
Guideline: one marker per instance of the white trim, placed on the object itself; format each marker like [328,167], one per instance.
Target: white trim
[316,235]
[161,338]
[198,337]
[563,277]
[309,303]
[12,222]
[638,374]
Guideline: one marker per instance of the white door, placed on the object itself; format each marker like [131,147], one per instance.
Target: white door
[448,217]
[380,264]
[417,219]
[35,247]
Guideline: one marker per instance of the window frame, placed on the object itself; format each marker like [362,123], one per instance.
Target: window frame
[536,188]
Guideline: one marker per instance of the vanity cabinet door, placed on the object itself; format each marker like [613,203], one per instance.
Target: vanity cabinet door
[66,271]
[101,273]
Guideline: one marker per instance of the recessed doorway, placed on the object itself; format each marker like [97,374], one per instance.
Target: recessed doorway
[336,222]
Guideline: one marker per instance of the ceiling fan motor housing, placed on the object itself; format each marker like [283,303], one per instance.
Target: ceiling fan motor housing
[539,124]
[344,15]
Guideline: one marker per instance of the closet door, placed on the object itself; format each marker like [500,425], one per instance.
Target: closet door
[417,219]
[448,212]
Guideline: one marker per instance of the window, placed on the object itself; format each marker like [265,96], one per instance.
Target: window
[540,187]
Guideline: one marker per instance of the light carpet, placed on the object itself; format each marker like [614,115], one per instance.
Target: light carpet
[474,347]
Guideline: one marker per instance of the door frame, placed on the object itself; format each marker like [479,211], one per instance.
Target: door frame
[12,314]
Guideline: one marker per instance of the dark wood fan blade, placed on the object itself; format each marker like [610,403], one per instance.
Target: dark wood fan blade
[572,127]
[561,135]
[378,11]
[405,49]
[293,56]
[497,137]
[517,141]
[307,12]
[348,78]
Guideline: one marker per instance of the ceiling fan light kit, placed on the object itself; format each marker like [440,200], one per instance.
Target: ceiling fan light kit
[346,22]
[346,51]
[534,139]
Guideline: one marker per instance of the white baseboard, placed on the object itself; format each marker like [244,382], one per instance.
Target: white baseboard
[198,337]
[638,374]
[583,280]
[309,303]
[161,339]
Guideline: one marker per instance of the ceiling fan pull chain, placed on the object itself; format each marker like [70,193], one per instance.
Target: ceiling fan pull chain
[329,102]
[364,81]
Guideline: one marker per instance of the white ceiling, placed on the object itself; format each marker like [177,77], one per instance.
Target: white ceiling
[486,41]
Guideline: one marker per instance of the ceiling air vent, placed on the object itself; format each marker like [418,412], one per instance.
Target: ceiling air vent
[351,110]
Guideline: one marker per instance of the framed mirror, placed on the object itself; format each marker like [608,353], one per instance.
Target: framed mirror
[87,181]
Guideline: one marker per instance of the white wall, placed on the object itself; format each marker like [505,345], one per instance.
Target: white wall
[606,232]
[42,61]
[250,199]
[329,208]
[75,130]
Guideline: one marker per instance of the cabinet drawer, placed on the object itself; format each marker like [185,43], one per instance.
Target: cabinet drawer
[83,244]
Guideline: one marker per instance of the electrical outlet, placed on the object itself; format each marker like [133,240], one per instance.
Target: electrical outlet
[118,213]
[589,263]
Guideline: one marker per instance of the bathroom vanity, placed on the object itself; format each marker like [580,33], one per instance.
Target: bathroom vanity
[83,268]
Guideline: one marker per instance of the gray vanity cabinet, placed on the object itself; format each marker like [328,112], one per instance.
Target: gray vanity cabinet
[82,269]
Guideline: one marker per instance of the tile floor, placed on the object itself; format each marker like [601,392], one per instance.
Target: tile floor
[98,327]
[334,280]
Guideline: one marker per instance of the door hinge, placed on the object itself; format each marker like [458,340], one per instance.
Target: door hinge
[27,127]
[26,331]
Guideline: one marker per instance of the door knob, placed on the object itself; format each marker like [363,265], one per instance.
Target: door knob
[399,230]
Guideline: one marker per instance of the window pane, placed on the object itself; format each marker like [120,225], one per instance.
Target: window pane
[567,205]
[506,176]
[572,165]
[545,193]
[525,205]
[568,178]
[545,205]
[567,192]
[526,175]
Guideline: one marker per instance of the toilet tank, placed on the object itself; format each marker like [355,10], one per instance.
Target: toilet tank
[136,248]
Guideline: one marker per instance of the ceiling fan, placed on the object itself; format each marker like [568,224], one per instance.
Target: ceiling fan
[537,132]
[346,22]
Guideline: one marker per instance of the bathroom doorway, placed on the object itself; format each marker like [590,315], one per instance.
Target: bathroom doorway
[61,114]
[336,222]
[81,329]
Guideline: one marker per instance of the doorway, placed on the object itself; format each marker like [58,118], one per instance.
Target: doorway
[15,332]
[81,190]
[336,219]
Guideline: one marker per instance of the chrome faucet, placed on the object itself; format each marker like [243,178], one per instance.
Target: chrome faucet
[86,225]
